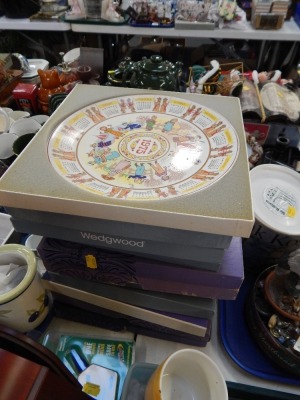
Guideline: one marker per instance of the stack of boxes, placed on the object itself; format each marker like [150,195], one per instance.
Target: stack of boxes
[155,267]
[269,14]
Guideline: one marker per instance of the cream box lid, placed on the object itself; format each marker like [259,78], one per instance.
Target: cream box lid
[79,165]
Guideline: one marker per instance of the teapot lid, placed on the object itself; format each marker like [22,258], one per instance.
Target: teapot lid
[155,64]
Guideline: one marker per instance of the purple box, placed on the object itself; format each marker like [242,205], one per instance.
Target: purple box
[128,270]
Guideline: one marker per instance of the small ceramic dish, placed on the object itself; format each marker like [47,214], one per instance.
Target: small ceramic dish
[274,291]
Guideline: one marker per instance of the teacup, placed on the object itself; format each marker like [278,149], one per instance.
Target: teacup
[4,121]
[187,374]
[24,302]
[21,142]
[8,110]
[25,125]
[7,155]
[17,114]
[84,72]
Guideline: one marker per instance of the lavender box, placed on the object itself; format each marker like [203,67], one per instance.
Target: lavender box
[129,270]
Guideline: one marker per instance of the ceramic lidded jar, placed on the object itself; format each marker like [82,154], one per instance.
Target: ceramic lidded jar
[155,73]
[24,302]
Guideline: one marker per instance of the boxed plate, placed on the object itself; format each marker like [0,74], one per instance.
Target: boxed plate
[162,159]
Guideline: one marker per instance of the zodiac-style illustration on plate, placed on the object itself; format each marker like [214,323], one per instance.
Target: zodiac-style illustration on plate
[143,147]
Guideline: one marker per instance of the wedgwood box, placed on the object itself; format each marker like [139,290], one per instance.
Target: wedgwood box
[192,249]
[161,159]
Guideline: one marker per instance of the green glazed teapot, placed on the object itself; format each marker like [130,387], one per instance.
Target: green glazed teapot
[149,73]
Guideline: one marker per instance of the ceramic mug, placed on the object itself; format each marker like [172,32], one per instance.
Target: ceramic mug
[21,142]
[187,374]
[24,303]
[4,121]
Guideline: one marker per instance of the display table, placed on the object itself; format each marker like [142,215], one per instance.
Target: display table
[289,32]
[154,351]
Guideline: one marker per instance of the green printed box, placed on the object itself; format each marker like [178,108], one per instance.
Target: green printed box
[100,365]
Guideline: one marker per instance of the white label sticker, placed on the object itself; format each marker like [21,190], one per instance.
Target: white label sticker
[280,201]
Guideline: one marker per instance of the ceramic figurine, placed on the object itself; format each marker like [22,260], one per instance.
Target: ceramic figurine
[50,84]
[109,11]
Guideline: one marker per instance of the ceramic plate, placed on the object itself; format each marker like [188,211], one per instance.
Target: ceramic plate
[34,65]
[276,194]
[143,147]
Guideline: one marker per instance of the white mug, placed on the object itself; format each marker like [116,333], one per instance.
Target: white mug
[4,121]
[24,302]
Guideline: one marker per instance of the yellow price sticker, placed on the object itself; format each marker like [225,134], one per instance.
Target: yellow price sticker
[91,261]
[291,212]
[91,389]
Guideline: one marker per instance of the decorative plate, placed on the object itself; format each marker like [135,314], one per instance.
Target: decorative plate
[143,147]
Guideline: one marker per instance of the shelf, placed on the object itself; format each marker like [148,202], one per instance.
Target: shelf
[24,24]
[289,32]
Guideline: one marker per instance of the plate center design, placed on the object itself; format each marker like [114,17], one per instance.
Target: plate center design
[144,147]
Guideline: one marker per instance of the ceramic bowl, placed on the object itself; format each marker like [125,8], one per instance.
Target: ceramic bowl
[187,374]
[275,335]
[274,288]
